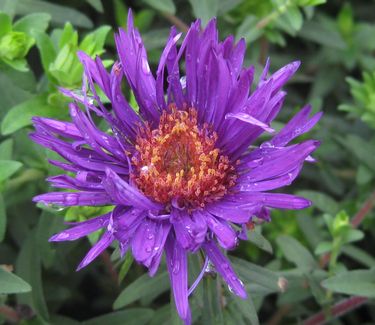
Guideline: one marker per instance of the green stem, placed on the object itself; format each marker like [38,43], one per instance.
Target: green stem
[28,175]
[274,15]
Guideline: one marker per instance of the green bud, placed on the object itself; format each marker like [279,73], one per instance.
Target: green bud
[14,45]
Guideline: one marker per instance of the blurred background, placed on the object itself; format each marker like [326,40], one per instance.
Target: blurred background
[300,268]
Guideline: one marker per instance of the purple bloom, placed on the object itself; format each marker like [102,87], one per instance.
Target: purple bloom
[183,174]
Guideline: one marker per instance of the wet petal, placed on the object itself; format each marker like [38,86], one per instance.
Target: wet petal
[178,268]
[224,268]
[82,229]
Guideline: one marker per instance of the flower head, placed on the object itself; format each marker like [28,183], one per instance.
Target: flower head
[183,174]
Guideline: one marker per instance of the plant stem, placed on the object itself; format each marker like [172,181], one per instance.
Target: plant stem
[356,221]
[339,309]
[177,22]
[274,15]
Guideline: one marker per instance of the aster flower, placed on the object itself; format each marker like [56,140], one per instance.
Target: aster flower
[183,174]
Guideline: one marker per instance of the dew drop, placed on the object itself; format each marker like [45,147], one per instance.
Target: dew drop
[148,249]
[176,267]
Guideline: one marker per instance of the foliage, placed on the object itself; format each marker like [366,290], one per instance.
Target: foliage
[296,266]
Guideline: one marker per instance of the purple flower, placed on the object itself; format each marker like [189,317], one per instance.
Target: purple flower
[183,174]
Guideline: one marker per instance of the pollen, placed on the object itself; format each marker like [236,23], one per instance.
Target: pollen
[178,161]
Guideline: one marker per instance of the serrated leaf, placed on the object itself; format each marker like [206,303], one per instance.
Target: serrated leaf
[358,282]
[143,286]
[11,283]
[20,115]
[134,316]
[296,253]
[162,5]
[8,168]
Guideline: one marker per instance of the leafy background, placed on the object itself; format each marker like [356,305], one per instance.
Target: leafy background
[303,267]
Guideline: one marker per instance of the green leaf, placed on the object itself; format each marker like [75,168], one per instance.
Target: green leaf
[68,36]
[93,43]
[60,14]
[247,309]
[8,168]
[258,240]
[121,12]
[134,316]
[46,49]
[321,201]
[11,283]
[205,10]
[227,5]
[162,5]
[358,282]
[9,7]
[3,218]
[296,253]
[322,34]
[36,23]
[294,17]
[213,313]
[6,149]
[28,266]
[248,29]
[252,273]
[359,255]
[323,247]
[142,287]
[362,149]
[5,24]
[96,4]
[128,261]
[20,116]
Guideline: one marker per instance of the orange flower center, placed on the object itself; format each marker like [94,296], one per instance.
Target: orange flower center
[179,161]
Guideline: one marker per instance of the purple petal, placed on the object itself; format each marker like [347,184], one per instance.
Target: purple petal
[228,211]
[178,268]
[97,249]
[224,268]
[82,229]
[74,198]
[65,181]
[251,120]
[65,129]
[190,231]
[133,58]
[225,234]
[272,200]
[121,192]
[280,161]
[298,125]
